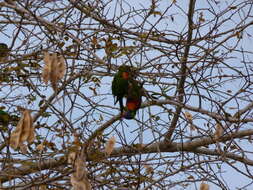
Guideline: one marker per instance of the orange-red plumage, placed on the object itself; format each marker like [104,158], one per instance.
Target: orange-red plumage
[125,75]
[133,105]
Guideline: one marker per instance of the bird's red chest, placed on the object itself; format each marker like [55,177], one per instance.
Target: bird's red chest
[132,105]
[125,75]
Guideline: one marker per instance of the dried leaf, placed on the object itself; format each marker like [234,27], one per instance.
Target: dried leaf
[23,132]
[110,145]
[94,41]
[79,185]
[218,132]
[201,18]
[156,13]
[204,186]
[47,68]
[27,125]
[61,67]
[40,147]
[149,169]
[42,187]
[31,137]
[188,116]
[53,73]
[77,140]
[71,157]
[80,169]
[192,127]
[79,179]
[23,148]
[58,70]
[190,177]
[54,69]
[16,134]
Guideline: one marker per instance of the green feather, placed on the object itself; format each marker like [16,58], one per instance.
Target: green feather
[135,90]
[120,85]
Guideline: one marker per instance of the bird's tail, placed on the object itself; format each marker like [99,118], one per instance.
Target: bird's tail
[121,105]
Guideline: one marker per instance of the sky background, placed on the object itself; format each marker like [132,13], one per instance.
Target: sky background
[176,23]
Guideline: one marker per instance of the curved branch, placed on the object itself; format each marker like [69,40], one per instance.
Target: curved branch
[192,146]
[183,70]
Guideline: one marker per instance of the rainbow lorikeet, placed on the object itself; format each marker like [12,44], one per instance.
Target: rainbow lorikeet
[133,102]
[4,51]
[120,84]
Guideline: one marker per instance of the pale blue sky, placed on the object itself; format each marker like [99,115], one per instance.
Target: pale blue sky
[132,130]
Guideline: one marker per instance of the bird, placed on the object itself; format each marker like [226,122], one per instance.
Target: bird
[120,84]
[4,51]
[134,98]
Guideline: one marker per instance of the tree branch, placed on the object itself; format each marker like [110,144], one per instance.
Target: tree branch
[180,87]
